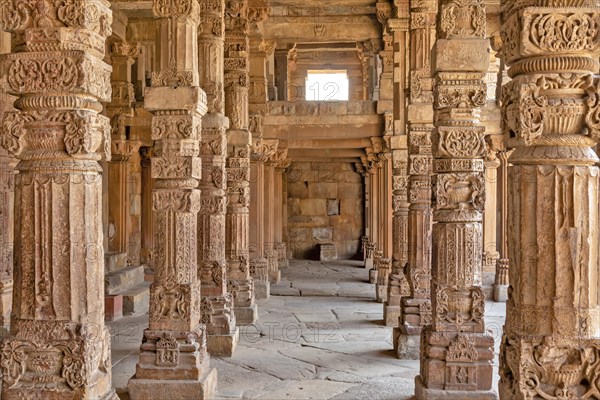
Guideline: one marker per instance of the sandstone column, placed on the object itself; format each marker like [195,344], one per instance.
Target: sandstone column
[415,307]
[268,221]
[456,350]
[282,162]
[551,111]
[240,284]
[490,252]
[501,278]
[174,362]
[259,267]
[7,195]
[217,303]
[124,154]
[58,346]
[416,304]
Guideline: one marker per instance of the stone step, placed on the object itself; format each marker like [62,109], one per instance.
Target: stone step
[136,299]
[126,278]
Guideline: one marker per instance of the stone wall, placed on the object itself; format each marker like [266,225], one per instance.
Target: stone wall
[325,204]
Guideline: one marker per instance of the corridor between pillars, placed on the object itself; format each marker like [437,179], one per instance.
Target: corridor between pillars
[551,110]
[456,349]
[58,346]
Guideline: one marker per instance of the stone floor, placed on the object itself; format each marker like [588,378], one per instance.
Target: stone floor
[319,336]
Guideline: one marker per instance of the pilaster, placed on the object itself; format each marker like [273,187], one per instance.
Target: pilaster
[174,361]
[456,349]
[551,113]
[58,346]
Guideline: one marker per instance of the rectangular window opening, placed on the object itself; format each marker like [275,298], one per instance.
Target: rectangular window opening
[327,85]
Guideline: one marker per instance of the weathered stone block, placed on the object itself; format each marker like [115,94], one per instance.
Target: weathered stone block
[333,207]
[467,55]
[313,207]
[327,252]
[223,345]
[113,307]
[322,234]
[350,190]
[322,190]
[299,190]
[143,389]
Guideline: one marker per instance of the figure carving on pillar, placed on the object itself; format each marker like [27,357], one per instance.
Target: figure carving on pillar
[551,114]
[58,346]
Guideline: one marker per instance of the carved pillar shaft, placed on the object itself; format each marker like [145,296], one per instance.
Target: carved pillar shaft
[456,350]
[414,311]
[280,244]
[239,140]
[501,279]
[7,195]
[551,112]
[173,356]
[490,252]
[217,303]
[58,346]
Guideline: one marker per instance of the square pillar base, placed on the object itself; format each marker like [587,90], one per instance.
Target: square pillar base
[274,276]
[422,393]
[246,315]
[262,290]
[373,276]
[381,292]
[500,293]
[391,315]
[143,389]
[406,347]
[284,263]
[368,263]
[113,307]
[223,345]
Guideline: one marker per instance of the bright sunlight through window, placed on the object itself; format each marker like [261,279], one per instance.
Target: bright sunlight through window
[327,86]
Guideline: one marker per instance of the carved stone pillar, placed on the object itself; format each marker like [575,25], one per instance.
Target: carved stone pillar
[259,267]
[490,252]
[240,282]
[397,283]
[217,303]
[417,271]
[174,362]
[7,196]
[123,243]
[501,279]
[147,223]
[58,346]
[551,112]
[456,350]
[281,73]
[280,245]
[268,222]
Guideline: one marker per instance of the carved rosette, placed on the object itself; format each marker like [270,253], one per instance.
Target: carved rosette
[58,346]
[550,346]
[459,195]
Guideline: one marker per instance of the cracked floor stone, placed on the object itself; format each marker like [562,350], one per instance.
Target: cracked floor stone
[319,336]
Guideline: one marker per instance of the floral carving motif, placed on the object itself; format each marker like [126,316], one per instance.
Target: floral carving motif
[463,18]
